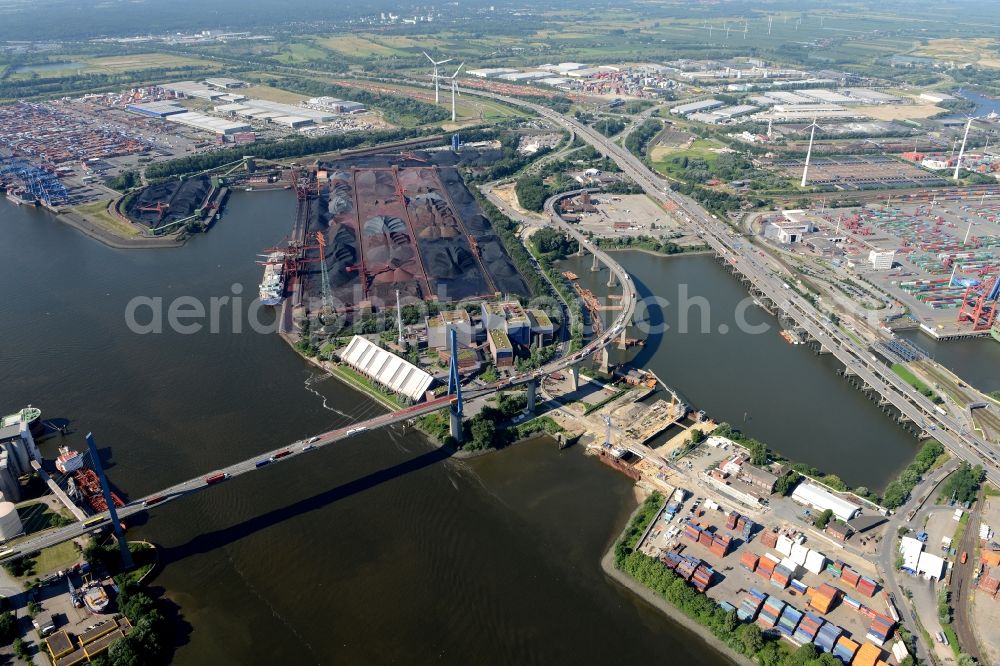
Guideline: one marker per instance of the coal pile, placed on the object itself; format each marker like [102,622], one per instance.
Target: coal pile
[182,199]
[408,223]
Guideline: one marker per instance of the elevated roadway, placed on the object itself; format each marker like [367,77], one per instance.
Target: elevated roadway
[963,443]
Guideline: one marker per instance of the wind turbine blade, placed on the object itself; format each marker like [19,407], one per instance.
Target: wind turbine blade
[458,70]
[427,56]
[444,61]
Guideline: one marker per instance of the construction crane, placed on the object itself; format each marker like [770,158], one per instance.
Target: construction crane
[979,305]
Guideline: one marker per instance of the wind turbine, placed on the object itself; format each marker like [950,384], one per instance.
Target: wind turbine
[961,152]
[812,134]
[437,95]
[454,91]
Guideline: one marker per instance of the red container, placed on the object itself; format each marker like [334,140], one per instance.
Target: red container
[749,561]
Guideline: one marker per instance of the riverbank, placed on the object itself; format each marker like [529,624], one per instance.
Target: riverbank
[102,233]
[657,253]
[664,606]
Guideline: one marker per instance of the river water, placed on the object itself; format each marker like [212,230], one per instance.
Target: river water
[784,395]
[378,550]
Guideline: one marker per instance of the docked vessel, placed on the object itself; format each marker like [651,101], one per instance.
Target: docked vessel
[272,287]
[21,196]
[95,598]
[68,460]
[84,481]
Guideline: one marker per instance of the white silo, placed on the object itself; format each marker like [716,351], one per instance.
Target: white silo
[10,522]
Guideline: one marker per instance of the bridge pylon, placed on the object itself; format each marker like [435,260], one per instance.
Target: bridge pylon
[454,388]
[611,280]
[116,523]
[596,266]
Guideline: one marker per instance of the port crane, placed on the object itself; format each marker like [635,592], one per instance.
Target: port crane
[160,208]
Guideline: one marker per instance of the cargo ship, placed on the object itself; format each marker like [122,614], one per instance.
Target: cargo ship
[272,287]
[87,484]
[68,460]
[21,196]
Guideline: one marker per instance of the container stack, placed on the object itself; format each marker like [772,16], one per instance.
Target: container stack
[850,576]
[845,649]
[685,568]
[690,531]
[701,579]
[789,620]
[784,545]
[745,527]
[781,577]
[720,545]
[731,518]
[748,560]
[853,603]
[867,655]
[866,586]
[880,630]
[769,539]
[750,605]
[798,586]
[766,565]
[827,637]
[770,612]
[809,626]
[705,539]
[798,554]
[824,598]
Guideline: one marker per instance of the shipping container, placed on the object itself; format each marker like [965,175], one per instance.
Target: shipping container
[749,560]
[827,636]
[845,649]
[798,586]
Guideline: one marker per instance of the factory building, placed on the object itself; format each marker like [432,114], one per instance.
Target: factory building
[812,495]
[200,121]
[509,317]
[881,260]
[500,348]
[695,107]
[918,562]
[225,83]
[10,487]
[16,436]
[192,89]
[438,328]
[542,329]
[335,105]
[386,369]
[156,109]
[275,112]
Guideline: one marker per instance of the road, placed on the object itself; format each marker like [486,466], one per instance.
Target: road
[885,559]
[744,258]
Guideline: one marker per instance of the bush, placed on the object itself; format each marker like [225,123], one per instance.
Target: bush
[8,627]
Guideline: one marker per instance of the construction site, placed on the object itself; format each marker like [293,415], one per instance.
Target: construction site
[406,223]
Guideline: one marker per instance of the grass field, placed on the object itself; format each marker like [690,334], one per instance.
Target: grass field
[356,45]
[983,52]
[37,516]
[703,149]
[140,61]
[298,53]
[98,213]
[910,378]
[56,558]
